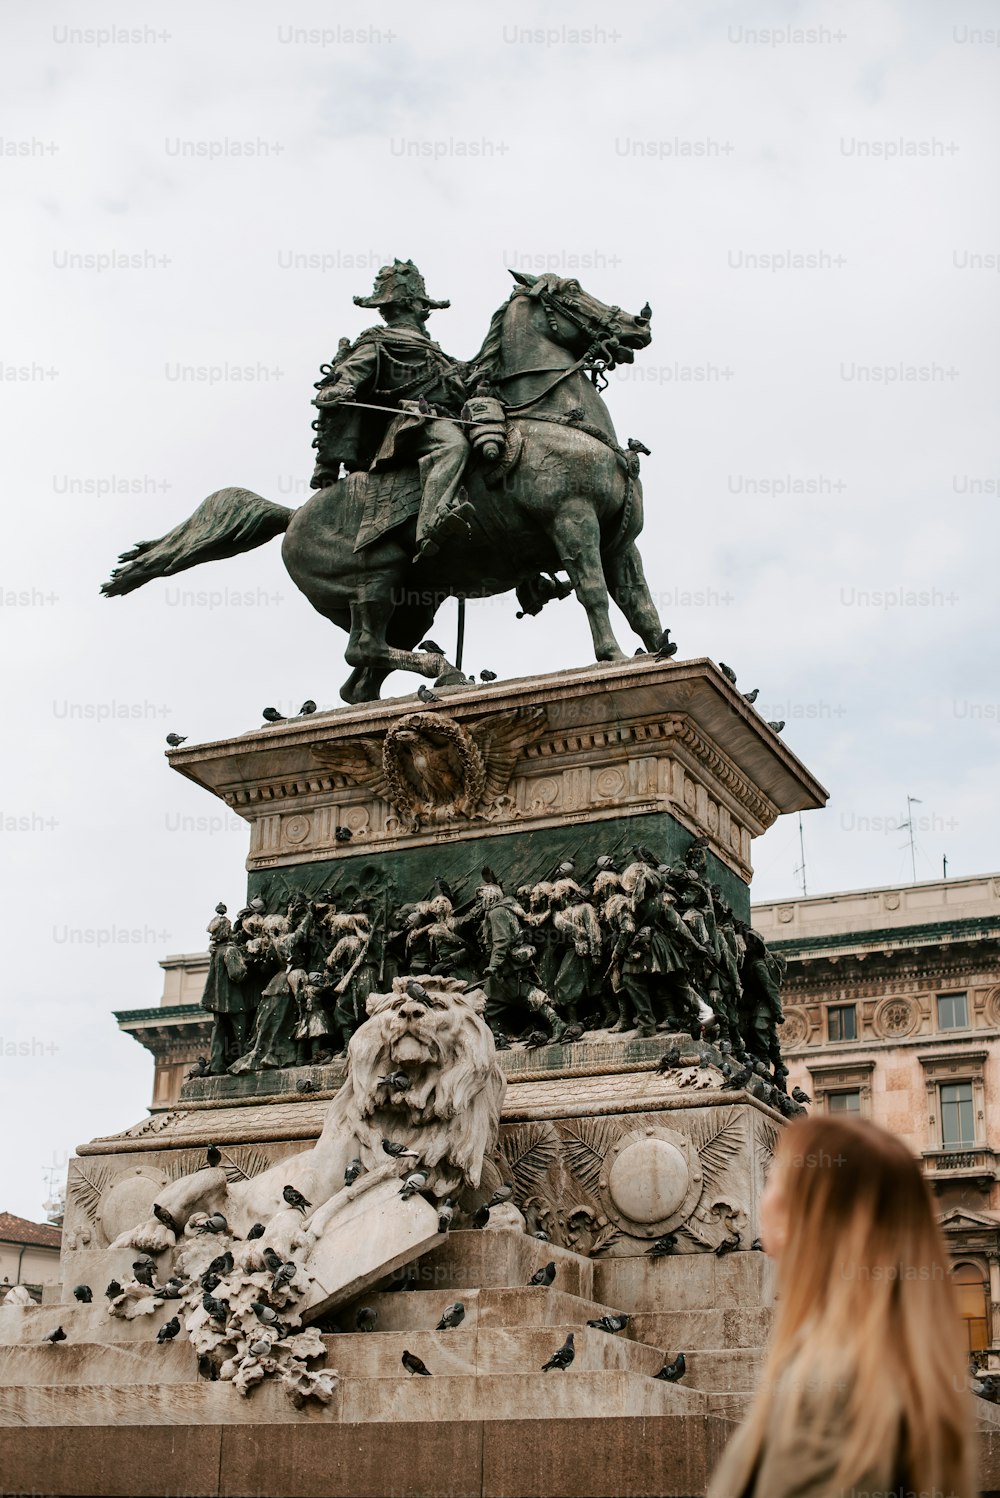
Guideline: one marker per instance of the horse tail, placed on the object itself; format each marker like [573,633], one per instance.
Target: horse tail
[227,523]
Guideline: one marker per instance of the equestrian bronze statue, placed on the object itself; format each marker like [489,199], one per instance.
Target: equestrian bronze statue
[439,478]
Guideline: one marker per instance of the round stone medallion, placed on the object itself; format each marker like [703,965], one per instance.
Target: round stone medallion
[651,1181]
[795,1030]
[296,829]
[896,1017]
[130,1200]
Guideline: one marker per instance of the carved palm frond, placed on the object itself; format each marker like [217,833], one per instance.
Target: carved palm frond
[86,1187]
[585,1143]
[241,1164]
[531,1150]
[181,1163]
[608,1235]
[721,1140]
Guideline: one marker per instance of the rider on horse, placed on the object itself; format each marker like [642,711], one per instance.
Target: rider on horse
[398,366]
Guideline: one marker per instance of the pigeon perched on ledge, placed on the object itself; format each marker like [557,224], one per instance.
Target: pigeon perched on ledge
[562,1357]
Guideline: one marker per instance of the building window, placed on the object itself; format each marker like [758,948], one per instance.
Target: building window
[844,1102]
[953,1011]
[970,1293]
[841,1022]
[957,1123]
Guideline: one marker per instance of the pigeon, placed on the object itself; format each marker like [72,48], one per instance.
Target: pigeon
[565,868]
[444,888]
[169,1330]
[751,696]
[272,1260]
[799,1096]
[267,1314]
[424,406]
[645,312]
[562,1357]
[271,715]
[487,676]
[175,740]
[431,647]
[635,446]
[214,1224]
[398,1151]
[758,1245]
[396,1081]
[284,1276]
[257,1231]
[777,725]
[209,1281]
[308,1085]
[83,1294]
[261,1347]
[354,1169]
[426,695]
[200,1069]
[307,707]
[142,1270]
[295,1198]
[366,1318]
[162,1215]
[738,1080]
[665,647]
[218,1310]
[57,1336]
[214,1156]
[727,1245]
[501,1194]
[113,1290]
[671,1372]
[452,1315]
[542,1237]
[535,1039]
[223,1264]
[415,1181]
[728,672]
[417,991]
[343,835]
[662,1246]
[481,1218]
[500,1041]
[412,1364]
[544,1276]
[610,1323]
[446,1212]
[489,877]
[668,1061]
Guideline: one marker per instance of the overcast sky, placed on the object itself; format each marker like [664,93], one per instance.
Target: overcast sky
[666,152]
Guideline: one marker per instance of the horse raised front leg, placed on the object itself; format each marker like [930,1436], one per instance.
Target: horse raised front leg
[577,536]
[630,592]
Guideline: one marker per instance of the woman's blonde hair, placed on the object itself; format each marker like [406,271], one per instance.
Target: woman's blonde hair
[866,1307]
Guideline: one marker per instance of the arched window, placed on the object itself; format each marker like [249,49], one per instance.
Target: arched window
[970,1294]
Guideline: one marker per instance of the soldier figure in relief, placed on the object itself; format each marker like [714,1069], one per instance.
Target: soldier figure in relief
[398,366]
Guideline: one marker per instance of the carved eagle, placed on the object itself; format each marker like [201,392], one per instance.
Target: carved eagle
[430,767]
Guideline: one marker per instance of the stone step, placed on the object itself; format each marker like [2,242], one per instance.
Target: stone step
[74,1363]
[475,1351]
[499,1258]
[577,1394]
[533,1305]
[722,1370]
[486,1350]
[708,1329]
[686,1282]
[31,1324]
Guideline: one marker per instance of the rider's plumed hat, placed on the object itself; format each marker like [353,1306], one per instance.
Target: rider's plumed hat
[400,282]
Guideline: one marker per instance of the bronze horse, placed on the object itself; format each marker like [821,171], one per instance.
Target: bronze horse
[566,497]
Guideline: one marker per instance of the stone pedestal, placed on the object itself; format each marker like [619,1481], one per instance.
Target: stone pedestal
[609,1156]
[524,773]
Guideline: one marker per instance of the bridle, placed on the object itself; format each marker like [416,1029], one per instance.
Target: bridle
[599,356]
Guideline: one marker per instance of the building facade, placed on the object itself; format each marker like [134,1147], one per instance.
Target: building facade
[29,1254]
[892,1012]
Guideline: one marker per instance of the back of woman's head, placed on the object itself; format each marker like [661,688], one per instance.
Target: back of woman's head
[865,1300]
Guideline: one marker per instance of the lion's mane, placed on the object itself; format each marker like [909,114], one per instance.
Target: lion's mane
[450,1112]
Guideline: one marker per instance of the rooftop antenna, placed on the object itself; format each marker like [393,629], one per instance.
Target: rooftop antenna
[944,866]
[801,870]
[907,826]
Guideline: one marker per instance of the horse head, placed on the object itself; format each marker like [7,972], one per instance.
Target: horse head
[583,324]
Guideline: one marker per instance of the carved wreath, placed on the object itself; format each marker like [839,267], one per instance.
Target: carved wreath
[430,768]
